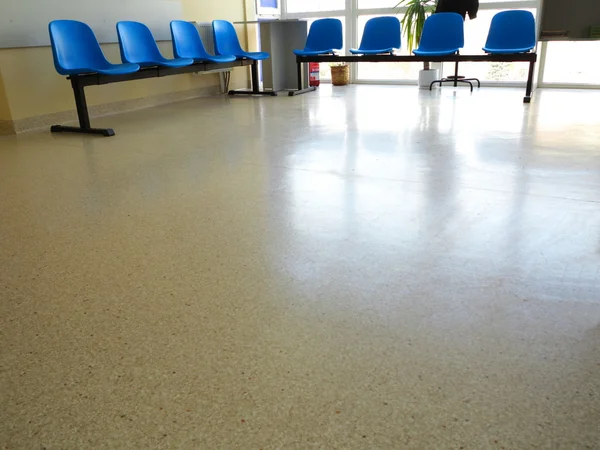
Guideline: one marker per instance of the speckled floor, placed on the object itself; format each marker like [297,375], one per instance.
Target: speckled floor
[364,268]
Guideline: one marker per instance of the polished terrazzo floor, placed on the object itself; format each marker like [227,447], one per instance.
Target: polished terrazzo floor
[363,268]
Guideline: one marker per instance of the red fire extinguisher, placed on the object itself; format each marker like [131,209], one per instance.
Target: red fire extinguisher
[313,74]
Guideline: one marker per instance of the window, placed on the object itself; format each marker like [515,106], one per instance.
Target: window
[385,71]
[299,6]
[572,63]
[372,4]
[476,32]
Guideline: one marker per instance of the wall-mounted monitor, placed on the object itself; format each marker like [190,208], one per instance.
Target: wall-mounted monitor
[268,8]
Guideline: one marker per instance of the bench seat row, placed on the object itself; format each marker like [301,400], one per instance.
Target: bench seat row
[511,32]
[76,50]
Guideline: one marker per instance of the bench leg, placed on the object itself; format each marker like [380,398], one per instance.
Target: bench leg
[82,114]
[65,129]
[529,89]
[300,89]
[255,85]
[456,76]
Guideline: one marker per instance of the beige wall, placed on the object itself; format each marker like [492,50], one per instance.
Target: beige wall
[32,87]
[206,11]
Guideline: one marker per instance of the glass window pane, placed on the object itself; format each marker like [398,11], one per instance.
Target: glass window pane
[386,71]
[299,6]
[572,63]
[370,4]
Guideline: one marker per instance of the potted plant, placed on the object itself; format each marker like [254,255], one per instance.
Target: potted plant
[413,22]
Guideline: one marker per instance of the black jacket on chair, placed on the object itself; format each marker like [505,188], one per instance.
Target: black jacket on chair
[461,7]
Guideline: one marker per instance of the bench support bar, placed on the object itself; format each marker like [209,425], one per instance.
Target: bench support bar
[531,58]
[79,82]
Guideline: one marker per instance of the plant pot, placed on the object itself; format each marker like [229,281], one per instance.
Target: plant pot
[426,77]
[340,75]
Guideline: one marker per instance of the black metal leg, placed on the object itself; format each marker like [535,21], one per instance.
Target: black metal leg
[255,81]
[529,88]
[300,90]
[456,74]
[255,84]
[456,78]
[471,80]
[81,103]
[82,114]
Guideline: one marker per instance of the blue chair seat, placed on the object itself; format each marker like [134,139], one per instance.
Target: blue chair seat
[381,35]
[358,51]
[139,47]
[118,69]
[164,62]
[216,58]
[187,43]
[506,51]
[511,32]
[228,44]
[443,34]
[255,56]
[434,53]
[76,51]
[314,52]
[324,37]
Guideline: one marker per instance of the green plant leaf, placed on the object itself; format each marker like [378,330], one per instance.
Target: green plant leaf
[415,15]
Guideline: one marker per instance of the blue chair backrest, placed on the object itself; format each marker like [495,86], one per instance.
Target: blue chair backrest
[226,39]
[381,33]
[186,40]
[137,43]
[74,46]
[512,29]
[443,31]
[325,34]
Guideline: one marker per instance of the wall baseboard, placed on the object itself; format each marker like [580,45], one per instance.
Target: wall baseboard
[107,109]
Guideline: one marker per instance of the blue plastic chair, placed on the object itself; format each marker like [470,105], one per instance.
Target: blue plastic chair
[138,46]
[511,32]
[381,35]
[227,42]
[443,34]
[188,44]
[325,36]
[76,51]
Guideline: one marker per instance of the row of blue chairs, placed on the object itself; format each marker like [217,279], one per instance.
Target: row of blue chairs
[76,50]
[443,34]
